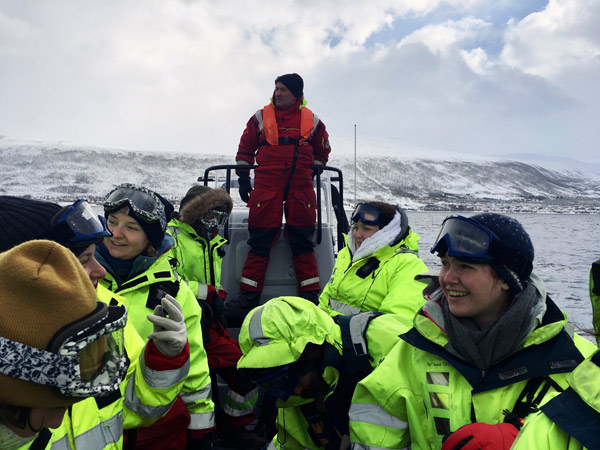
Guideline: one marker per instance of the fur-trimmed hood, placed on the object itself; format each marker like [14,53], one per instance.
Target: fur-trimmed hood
[195,208]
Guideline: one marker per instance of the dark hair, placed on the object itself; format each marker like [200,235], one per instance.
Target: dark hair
[387,211]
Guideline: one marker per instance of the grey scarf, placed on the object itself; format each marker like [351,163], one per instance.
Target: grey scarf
[486,347]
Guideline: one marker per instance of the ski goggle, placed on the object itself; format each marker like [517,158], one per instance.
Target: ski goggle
[144,203]
[280,383]
[367,214]
[465,239]
[78,225]
[85,358]
[214,219]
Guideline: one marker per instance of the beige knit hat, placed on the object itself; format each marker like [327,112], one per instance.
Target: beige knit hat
[43,287]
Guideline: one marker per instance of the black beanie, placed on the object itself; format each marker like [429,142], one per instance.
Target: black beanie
[514,263]
[23,219]
[293,82]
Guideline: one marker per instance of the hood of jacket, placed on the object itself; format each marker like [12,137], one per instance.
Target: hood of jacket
[394,233]
[277,332]
[193,210]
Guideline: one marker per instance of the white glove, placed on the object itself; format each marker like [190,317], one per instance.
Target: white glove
[170,334]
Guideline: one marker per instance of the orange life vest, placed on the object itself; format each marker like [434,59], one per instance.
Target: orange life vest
[267,124]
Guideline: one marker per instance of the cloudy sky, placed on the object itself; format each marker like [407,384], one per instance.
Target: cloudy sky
[469,76]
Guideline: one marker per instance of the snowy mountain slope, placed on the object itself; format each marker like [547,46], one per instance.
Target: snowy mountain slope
[62,172]
[561,164]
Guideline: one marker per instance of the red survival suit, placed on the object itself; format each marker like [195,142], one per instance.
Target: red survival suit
[285,144]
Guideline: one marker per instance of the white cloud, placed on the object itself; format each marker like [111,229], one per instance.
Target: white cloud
[444,37]
[562,36]
[186,75]
[477,60]
[15,34]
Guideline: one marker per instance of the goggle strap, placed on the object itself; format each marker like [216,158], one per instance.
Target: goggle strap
[71,329]
[28,354]
[68,382]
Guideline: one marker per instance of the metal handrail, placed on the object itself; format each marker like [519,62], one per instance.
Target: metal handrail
[317,170]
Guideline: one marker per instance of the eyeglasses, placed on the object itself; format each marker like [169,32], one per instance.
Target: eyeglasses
[85,358]
[366,214]
[145,204]
[465,238]
[78,225]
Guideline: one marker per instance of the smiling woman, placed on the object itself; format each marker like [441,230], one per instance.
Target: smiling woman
[136,258]
[376,270]
[481,273]
[128,239]
[487,340]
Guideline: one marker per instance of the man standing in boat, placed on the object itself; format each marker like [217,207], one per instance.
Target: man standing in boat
[285,139]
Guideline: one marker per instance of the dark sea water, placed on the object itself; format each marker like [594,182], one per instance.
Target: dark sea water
[565,246]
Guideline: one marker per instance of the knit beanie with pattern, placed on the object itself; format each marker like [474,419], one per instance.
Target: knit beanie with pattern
[514,262]
[293,82]
[43,287]
[23,219]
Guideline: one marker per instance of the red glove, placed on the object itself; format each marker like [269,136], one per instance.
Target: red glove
[481,436]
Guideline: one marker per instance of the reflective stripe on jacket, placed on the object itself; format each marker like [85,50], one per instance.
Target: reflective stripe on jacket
[389,288]
[571,419]
[420,391]
[196,390]
[274,335]
[381,335]
[144,396]
[197,260]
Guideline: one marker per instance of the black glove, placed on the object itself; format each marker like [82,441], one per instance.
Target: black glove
[315,170]
[216,299]
[206,320]
[245,186]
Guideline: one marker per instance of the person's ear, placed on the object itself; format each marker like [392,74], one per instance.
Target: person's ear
[504,287]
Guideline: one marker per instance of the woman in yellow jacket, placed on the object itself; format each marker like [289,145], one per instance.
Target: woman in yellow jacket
[376,270]
[153,378]
[487,348]
[136,258]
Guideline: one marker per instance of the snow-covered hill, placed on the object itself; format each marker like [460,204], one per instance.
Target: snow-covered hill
[62,172]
